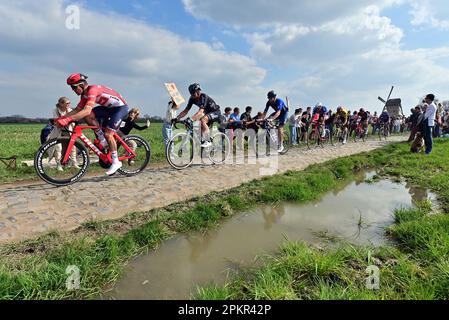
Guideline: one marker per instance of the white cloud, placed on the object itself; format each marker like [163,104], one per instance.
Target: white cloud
[344,52]
[432,13]
[38,53]
[268,12]
[291,44]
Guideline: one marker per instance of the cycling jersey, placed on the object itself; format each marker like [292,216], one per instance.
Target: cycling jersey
[204,102]
[277,105]
[103,96]
[363,116]
[323,111]
[384,117]
[343,115]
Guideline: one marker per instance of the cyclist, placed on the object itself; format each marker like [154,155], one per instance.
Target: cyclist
[208,113]
[353,121]
[384,120]
[342,118]
[111,110]
[320,115]
[363,116]
[281,113]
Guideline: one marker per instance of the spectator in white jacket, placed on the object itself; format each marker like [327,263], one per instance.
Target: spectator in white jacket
[62,108]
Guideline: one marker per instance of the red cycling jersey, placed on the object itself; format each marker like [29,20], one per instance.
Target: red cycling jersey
[103,96]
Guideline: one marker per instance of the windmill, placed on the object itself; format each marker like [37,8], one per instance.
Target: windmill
[393,106]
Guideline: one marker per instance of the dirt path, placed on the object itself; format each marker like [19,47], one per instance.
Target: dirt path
[30,210]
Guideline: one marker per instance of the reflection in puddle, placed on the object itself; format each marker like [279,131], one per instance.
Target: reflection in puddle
[358,213]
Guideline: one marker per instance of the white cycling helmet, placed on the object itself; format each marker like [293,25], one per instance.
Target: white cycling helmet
[319,104]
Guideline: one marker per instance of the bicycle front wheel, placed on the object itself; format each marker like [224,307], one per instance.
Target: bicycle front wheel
[47,162]
[137,164]
[180,150]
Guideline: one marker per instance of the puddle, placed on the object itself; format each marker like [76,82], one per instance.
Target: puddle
[357,213]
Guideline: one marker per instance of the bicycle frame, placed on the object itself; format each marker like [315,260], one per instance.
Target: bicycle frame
[107,158]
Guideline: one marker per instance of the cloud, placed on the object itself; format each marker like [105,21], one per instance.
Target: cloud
[268,12]
[344,54]
[38,52]
[343,38]
[432,13]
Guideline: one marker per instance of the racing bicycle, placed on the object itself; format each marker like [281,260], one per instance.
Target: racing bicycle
[133,151]
[180,150]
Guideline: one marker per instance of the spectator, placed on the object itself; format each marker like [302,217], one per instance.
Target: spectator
[167,127]
[234,119]
[309,114]
[416,113]
[236,124]
[246,118]
[45,132]
[62,108]
[130,123]
[224,125]
[438,125]
[293,125]
[304,125]
[397,125]
[429,122]
[375,123]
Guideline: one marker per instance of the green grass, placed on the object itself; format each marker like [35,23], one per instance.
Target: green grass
[417,268]
[23,140]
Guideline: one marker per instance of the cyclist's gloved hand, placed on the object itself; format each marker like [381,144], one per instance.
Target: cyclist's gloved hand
[63,121]
[174,121]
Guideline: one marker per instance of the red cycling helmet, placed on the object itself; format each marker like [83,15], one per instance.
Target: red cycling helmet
[75,79]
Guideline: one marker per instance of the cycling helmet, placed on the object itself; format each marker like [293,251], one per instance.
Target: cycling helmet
[271,94]
[194,87]
[76,79]
[318,105]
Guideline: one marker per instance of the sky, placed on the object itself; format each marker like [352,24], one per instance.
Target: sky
[336,52]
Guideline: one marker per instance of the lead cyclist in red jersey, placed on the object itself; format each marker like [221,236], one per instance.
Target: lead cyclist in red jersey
[111,111]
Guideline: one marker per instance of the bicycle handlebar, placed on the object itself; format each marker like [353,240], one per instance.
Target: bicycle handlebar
[187,122]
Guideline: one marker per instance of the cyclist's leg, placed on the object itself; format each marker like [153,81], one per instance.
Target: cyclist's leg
[282,120]
[116,115]
[207,121]
[97,115]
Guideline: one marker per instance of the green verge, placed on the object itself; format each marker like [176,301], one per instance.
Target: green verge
[36,269]
[23,141]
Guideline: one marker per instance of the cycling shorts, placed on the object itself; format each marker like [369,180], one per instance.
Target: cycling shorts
[111,118]
[214,116]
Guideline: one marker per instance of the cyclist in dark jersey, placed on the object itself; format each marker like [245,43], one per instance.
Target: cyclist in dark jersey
[363,115]
[208,113]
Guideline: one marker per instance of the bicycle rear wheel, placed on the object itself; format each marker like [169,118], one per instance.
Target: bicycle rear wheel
[137,164]
[179,151]
[49,168]
[221,148]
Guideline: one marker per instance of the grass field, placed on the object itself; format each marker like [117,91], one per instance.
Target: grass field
[417,268]
[23,140]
